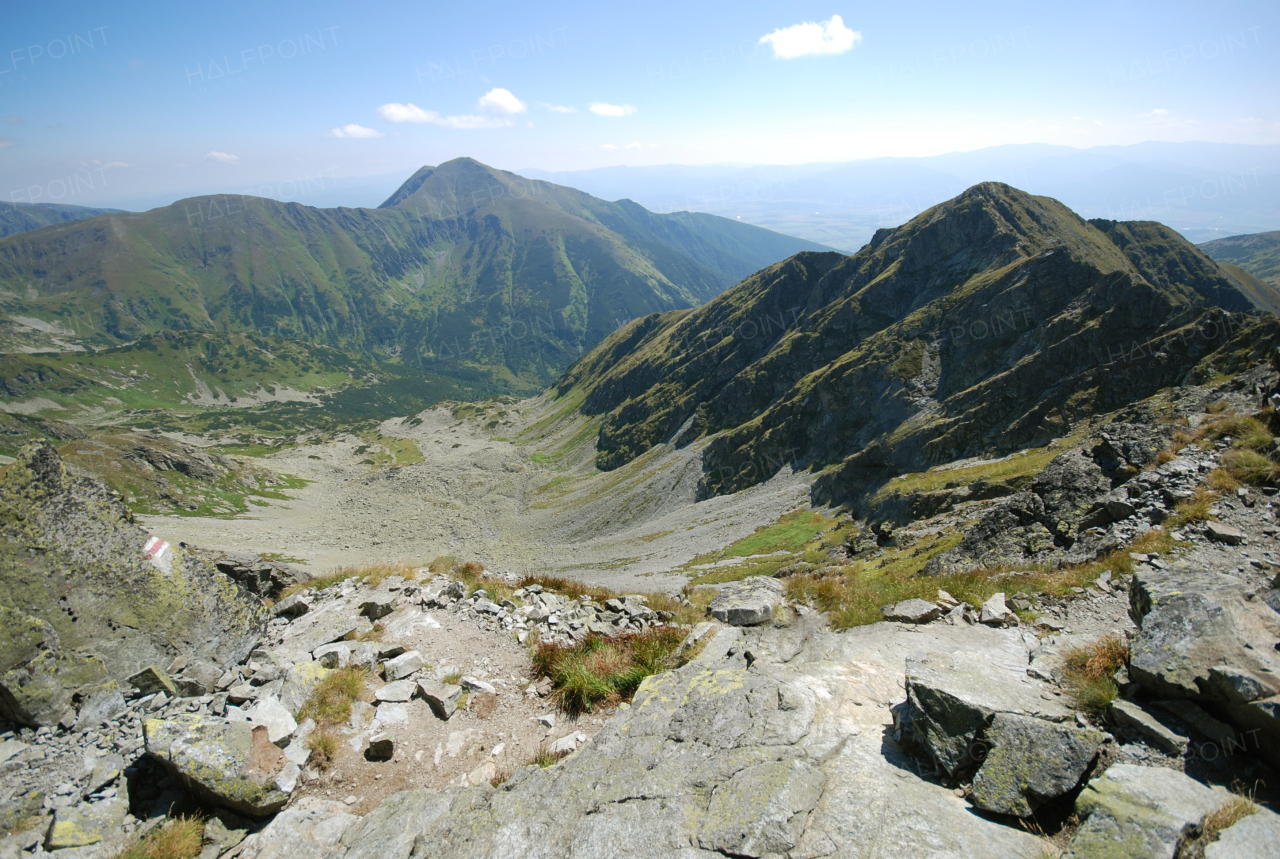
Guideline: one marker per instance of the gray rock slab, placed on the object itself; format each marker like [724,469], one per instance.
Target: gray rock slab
[441,697]
[402,666]
[273,714]
[399,691]
[87,823]
[233,763]
[1134,812]
[311,829]
[1129,715]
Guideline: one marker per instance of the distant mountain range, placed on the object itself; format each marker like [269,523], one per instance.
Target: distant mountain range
[986,324]
[1257,254]
[466,273]
[20,217]
[1203,190]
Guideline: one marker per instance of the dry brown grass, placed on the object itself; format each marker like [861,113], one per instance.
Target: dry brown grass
[1088,671]
[180,838]
[373,574]
[599,670]
[324,748]
[1193,509]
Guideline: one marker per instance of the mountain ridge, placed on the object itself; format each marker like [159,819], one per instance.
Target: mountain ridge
[986,323]
[507,289]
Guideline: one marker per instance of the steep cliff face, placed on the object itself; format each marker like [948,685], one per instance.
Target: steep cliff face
[987,323]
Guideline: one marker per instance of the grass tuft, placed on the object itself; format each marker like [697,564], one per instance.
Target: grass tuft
[331,699]
[324,748]
[1088,672]
[1193,509]
[180,838]
[600,670]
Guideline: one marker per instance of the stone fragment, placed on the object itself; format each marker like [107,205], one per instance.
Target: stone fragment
[379,605]
[442,697]
[568,743]
[100,707]
[152,679]
[471,684]
[912,611]
[1029,762]
[333,655]
[279,722]
[399,691]
[402,666]
[996,613]
[294,605]
[1224,533]
[299,681]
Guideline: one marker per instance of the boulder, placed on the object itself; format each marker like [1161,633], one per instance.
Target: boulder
[1201,638]
[1257,835]
[299,681]
[333,655]
[442,697]
[1224,533]
[261,576]
[996,613]
[953,697]
[294,605]
[1129,715]
[912,611]
[1135,812]
[471,684]
[1069,484]
[402,666]
[379,605]
[101,706]
[150,680]
[1031,761]
[87,823]
[234,764]
[750,602]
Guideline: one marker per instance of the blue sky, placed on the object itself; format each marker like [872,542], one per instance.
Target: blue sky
[105,102]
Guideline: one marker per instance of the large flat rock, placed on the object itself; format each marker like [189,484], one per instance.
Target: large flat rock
[235,764]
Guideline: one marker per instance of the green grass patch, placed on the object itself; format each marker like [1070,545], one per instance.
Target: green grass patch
[330,701]
[600,670]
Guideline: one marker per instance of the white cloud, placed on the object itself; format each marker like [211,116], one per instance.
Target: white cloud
[810,39]
[600,108]
[557,108]
[412,113]
[1162,118]
[635,144]
[353,131]
[7,142]
[608,146]
[499,100]
[1158,113]
[224,157]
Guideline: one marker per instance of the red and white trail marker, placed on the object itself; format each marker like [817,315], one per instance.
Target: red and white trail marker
[155,549]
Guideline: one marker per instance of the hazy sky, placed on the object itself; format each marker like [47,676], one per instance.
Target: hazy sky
[102,102]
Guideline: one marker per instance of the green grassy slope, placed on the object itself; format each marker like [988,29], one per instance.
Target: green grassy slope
[464,278]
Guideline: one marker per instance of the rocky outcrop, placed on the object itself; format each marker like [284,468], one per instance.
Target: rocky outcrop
[750,602]
[234,763]
[90,600]
[1206,637]
[265,577]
